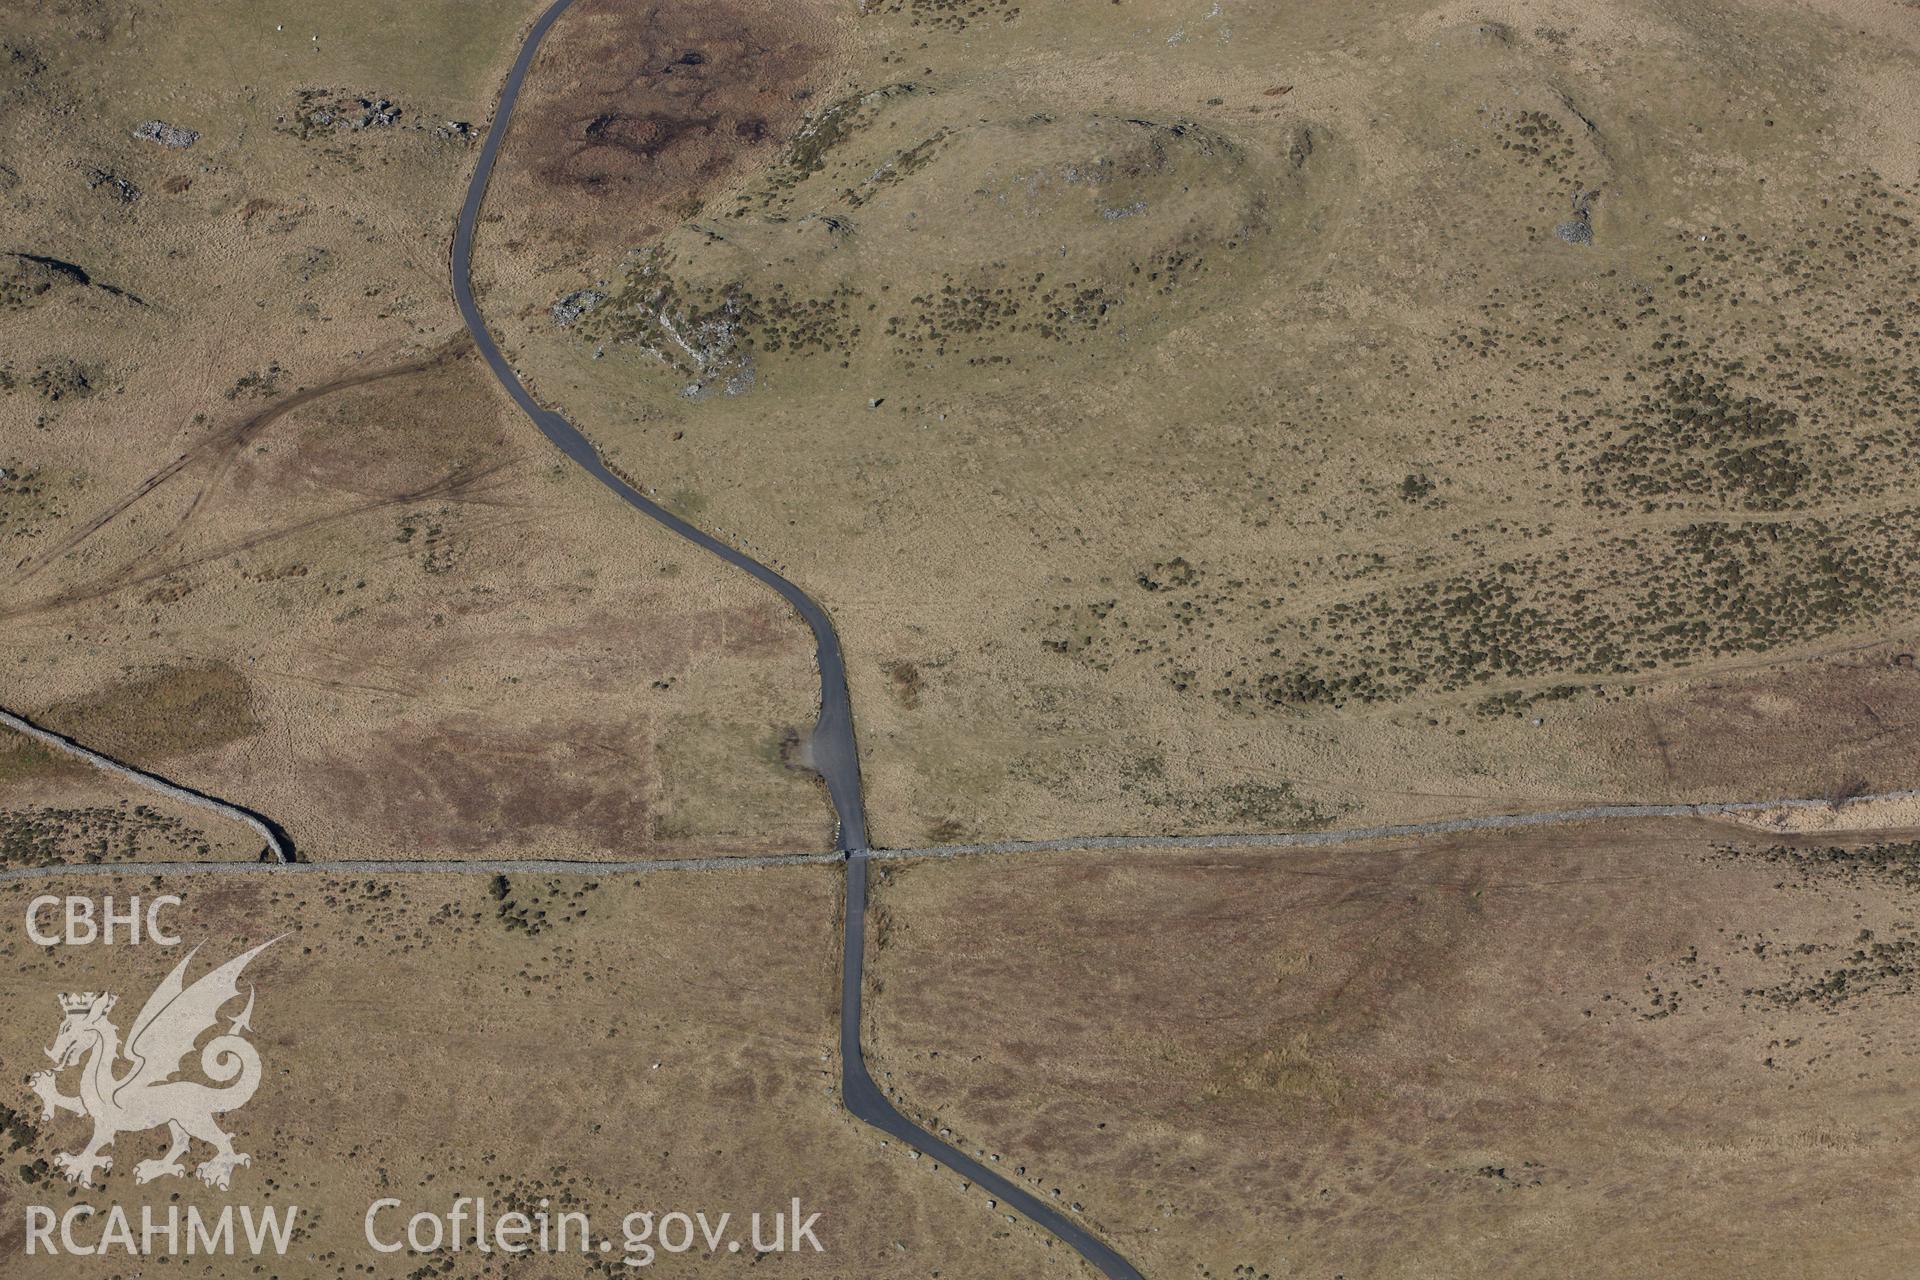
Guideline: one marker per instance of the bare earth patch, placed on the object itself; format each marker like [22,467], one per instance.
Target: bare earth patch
[638,112]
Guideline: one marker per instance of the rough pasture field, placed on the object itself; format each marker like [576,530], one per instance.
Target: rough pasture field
[1197,428]
[1643,1046]
[266,525]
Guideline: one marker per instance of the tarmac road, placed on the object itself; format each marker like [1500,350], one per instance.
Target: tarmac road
[863,1097]
[834,755]
[834,751]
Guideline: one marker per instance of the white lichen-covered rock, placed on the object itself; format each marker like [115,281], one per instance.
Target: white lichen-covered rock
[167,135]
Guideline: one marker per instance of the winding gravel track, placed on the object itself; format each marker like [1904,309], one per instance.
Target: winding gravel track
[834,752]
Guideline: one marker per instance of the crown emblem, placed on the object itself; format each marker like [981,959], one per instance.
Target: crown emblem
[79,1001]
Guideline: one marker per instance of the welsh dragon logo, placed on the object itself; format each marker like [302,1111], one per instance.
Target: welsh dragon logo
[145,1095]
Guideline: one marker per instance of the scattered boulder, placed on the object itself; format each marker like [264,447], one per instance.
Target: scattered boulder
[356,114]
[327,111]
[116,186]
[1579,228]
[167,135]
[575,305]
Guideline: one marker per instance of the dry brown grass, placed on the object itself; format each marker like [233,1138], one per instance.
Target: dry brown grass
[1249,450]
[278,534]
[660,1045]
[59,811]
[1618,1050]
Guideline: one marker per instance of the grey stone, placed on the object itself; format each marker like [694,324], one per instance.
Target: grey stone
[575,305]
[167,135]
[1578,231]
